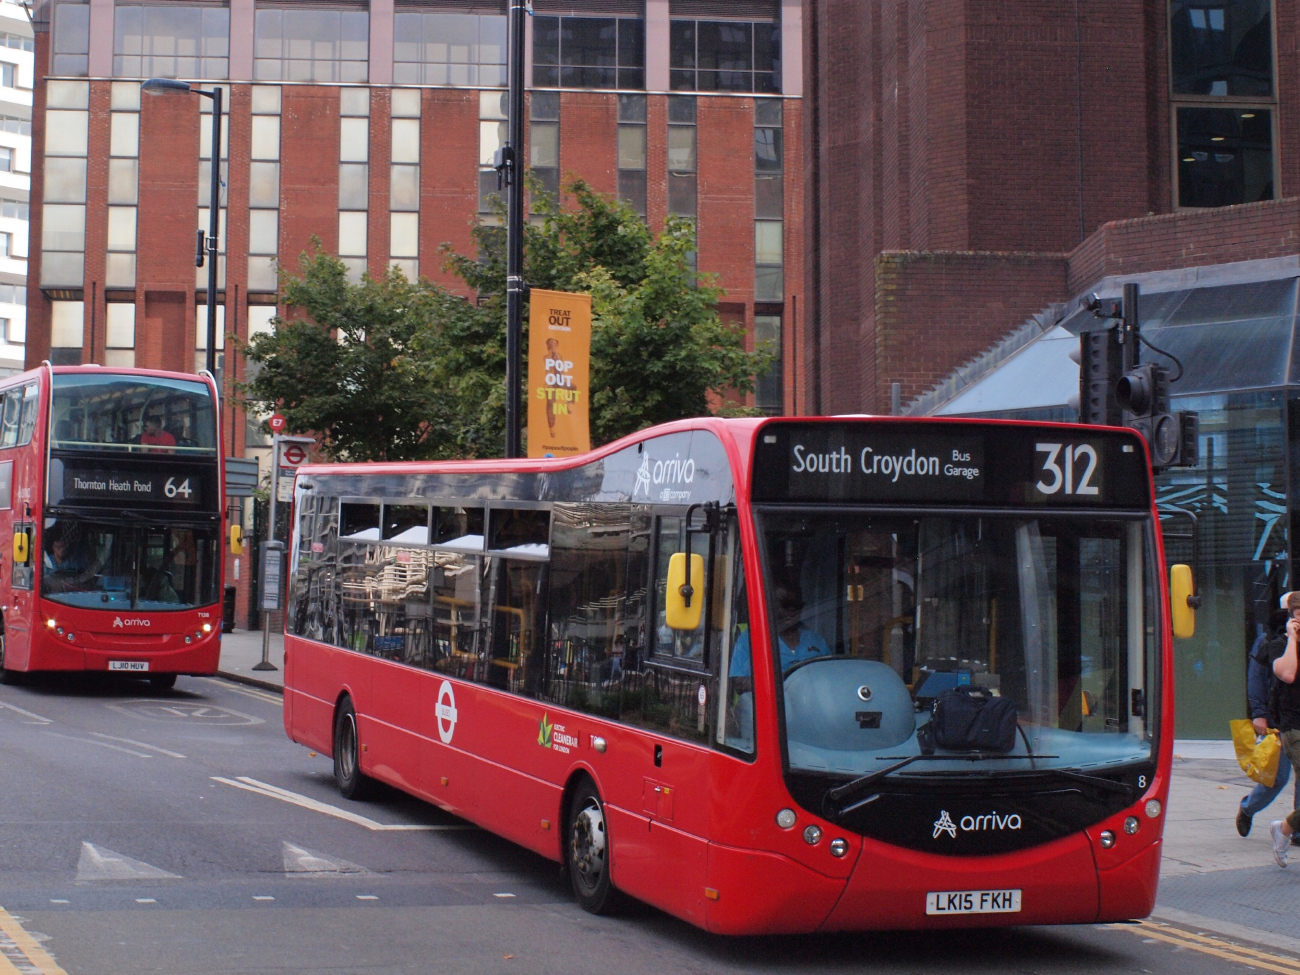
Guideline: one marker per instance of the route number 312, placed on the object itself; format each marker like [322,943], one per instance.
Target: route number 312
[1068,468]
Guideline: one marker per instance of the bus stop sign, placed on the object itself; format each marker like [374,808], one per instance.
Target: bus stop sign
[277,423]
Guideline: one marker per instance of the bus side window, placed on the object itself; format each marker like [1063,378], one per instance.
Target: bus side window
[25,572]
[27,425]
[12,410]
[735,726]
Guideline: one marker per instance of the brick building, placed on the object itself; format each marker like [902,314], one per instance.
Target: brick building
[993,166]
[957,152]
[372,126]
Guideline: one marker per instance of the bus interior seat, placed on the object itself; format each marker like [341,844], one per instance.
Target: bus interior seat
[847,704]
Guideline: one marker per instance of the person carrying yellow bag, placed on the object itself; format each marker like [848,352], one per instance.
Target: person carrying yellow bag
[1246,735]
[1285,707]
[1257,754]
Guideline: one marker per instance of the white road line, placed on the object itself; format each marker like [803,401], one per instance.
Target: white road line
[101,744]
[29,714]
[258,695]
[132,741]
[306,802]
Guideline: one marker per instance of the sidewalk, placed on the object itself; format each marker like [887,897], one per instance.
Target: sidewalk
[242,649]
[1211,878]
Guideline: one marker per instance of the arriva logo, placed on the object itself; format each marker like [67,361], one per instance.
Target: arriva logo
[666,474]
[974,824]
[119,623]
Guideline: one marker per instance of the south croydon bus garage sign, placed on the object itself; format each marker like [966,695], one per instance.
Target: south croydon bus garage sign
[832,462]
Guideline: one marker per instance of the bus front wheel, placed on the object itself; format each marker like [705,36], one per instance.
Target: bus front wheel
[587,854]
[6,676]
[352,782]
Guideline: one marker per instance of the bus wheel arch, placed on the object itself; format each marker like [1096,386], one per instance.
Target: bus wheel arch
[346,747]
[586,846]
[7,676]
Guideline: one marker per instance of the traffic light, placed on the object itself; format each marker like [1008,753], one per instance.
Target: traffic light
[1143,394]
[1101,363]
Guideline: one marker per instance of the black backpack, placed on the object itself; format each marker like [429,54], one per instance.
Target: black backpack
[970,718]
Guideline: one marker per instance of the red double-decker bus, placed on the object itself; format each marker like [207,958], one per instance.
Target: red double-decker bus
[767,675]
[110,486]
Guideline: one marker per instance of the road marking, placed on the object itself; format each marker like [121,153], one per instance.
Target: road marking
[59,900]
[257,695]
[367,897]
[301,862]
[140,744]
[101,744]
[263,897]
[146,900]
[315,805]
[27,714]
[1215,947]
[37,956]
[97,863]
[503,895]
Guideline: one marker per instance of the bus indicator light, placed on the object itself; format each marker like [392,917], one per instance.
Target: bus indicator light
[812,835]
[839,847]
[1153,808]
[785,818]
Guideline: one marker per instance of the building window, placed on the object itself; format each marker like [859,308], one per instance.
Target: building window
[63,230]
[18,126]
[264,189]
[171,41]
[1221,47]
[354,179]
[491,137]
[404,182]
[709,55]
[588,52]
[6,245]
[769,215]
[16,42]
[632,151]
[681,155]
[464,50]
[7,160]
[544,141]
[312,45]
[201,342]
[67,332]
[71,54]
[769,388]
[1225,156]
[1221,71]
[119,335]
[8,75]
[13,294]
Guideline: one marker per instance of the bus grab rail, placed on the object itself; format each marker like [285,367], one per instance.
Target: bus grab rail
[711,521]
[1194,600]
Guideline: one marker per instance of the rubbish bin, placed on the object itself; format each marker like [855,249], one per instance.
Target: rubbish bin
[228,611]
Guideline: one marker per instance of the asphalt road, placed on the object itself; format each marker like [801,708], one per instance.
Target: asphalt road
[183,833]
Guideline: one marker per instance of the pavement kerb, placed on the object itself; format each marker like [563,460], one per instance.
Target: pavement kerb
[265,685]
[1238,932]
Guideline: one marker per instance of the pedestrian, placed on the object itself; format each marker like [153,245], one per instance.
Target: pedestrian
[1285,711]
[1259,686]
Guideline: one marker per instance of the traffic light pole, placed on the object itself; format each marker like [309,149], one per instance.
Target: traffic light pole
[512,162]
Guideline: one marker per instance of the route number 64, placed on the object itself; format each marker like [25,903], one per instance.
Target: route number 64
[1068,468]
[171,488]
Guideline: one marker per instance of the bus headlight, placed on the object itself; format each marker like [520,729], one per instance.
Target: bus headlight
[1131,825]
[1153,808]
[207,627]
[839,847]
[1107,839]
[812,835]
[50,624]
[785,818]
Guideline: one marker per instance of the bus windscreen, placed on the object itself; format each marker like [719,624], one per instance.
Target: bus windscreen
[136,414]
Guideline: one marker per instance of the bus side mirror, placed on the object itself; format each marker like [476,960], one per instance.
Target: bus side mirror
[236,539]
[1182,588]
[22,547]
[684,595]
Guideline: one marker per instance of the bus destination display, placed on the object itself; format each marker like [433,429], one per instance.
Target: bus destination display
[957,463]
[177,487]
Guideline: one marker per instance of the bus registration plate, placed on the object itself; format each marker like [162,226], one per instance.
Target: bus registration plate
[972,902]
[128,665]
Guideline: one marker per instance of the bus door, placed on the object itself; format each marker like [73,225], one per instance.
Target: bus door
[663,859]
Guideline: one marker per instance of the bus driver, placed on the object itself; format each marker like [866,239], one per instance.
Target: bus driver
[798,642]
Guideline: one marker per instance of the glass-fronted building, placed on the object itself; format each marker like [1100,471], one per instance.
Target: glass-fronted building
[1232,328]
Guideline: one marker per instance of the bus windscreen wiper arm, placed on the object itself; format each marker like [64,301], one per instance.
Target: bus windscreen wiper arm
[833,796]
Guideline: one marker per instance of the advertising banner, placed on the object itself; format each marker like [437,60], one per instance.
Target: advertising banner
[559,365]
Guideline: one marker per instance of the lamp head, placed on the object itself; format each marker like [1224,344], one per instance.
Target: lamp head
[162,86]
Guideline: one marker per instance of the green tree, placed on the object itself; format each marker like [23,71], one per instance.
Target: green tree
[416,371]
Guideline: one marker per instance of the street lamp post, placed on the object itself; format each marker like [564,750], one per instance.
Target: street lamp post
[163,86]
[511,166]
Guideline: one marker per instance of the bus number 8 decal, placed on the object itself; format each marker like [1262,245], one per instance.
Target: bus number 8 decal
[1080,459]
[171,488]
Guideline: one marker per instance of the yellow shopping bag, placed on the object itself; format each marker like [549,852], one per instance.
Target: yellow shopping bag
[1258,758]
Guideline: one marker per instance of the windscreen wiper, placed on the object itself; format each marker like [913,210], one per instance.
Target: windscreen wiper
[1109,785]
[833,796]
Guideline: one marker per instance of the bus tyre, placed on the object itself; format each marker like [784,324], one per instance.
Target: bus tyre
[6,676]
[587,853]
[162,682]
[352,783]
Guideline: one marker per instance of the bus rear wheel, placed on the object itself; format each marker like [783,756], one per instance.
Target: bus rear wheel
[352,782]
[6,676]
[587,852]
